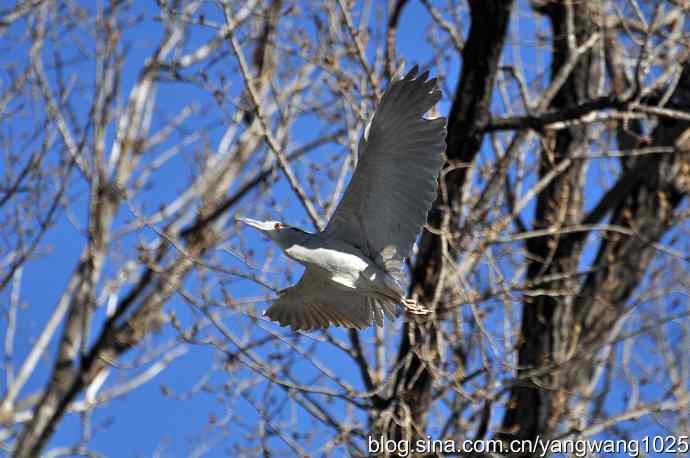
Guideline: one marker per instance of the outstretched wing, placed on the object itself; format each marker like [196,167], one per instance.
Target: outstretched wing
[314,303]
[395,181]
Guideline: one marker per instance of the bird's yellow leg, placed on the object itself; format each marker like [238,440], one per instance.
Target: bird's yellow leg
[413,307]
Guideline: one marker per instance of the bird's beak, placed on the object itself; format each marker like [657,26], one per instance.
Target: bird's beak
[260,225]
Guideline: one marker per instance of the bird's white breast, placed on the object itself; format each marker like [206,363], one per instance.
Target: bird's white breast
[343,263]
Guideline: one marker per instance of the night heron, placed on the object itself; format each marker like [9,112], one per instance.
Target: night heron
[354,267]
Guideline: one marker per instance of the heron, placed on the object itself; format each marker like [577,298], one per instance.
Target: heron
[354,268]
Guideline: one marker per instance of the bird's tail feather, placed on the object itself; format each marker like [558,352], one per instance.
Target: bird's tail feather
[381,307]
[310,311]
[394,265]
[306,316]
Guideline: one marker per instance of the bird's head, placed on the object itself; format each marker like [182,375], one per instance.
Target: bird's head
[281,233]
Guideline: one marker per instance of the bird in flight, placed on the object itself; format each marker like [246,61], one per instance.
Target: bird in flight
[354,267]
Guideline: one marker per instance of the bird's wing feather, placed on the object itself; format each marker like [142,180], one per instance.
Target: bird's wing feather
[313,303]
[395,181]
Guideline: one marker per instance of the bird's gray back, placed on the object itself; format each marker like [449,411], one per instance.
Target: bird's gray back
[395,181]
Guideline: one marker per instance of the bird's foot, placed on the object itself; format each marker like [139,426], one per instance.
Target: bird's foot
[413,307]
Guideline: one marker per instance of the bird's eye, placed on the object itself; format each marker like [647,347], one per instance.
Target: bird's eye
[278,226]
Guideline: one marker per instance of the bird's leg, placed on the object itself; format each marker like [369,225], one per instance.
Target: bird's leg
[413,307]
